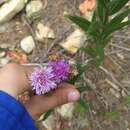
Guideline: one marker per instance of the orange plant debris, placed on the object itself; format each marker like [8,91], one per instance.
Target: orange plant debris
[18,57]
[87,5]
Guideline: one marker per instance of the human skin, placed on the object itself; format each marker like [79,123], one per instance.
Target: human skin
[14,81]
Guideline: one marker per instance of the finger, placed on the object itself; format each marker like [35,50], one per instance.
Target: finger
[28,71]
[40,104]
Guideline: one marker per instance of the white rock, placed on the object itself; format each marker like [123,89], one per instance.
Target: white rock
[10,9]
[66,110]
[33,7]
[49,123]
[43,31]
[74,41]
[28,44]
[121,56]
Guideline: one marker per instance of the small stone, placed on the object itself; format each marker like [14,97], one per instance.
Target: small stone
[28,44]
[49,123]
[120,56]
[66,111]
[9,9]
[43,31]
[33,8]
[74,41]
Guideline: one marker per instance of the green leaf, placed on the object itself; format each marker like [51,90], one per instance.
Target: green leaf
[89,50]
[106,41]
[116,5]
[80,21]
[94,17]
[81,69]
[79,109]
[101,55]
[84,86]
[112,29]
[113,115]
[126,99]
[47,114]
[83,104]
[102,11]
[94,28]
[119,18]
[82,89]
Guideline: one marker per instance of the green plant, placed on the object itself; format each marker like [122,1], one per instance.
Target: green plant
[105,21]
[98,32]
[113,115]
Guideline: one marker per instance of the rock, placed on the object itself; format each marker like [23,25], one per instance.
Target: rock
[74,41]
[33,8]
[28,44]
[121,56]
[10,9]
[66,111]
[49,123]
[43,31]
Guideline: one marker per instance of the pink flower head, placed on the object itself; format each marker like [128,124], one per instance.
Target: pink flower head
[43,80]
[46,79]
[60,69]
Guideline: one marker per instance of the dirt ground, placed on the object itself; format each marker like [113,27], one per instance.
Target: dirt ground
[110,83]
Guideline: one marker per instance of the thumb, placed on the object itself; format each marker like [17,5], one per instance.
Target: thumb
[40,104]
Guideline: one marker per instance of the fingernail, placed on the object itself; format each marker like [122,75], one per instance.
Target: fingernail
[73,96]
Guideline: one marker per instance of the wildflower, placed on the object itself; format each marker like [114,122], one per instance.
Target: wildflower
[60,69]
[46,79]
[43,80]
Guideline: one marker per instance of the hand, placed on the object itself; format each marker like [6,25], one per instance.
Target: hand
[14,81]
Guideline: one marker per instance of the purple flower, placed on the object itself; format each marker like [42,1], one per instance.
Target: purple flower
[60,69]
[43,80]
[46,79]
